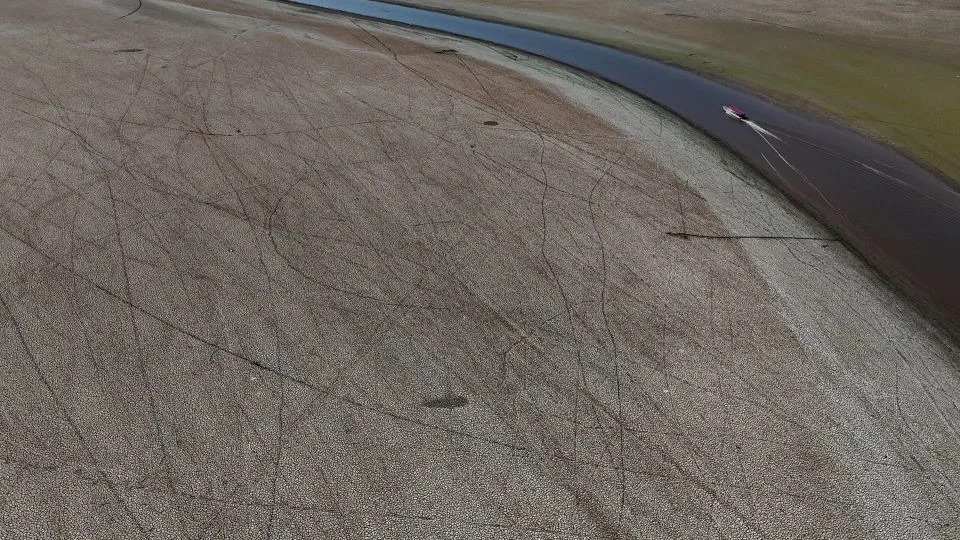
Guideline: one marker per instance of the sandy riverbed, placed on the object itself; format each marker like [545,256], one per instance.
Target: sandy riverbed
[248,255]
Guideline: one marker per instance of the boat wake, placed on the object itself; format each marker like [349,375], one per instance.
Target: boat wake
[760,130]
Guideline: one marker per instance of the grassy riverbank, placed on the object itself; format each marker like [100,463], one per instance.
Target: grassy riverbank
[892,74]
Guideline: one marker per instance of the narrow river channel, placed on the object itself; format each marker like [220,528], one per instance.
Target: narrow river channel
[902,217]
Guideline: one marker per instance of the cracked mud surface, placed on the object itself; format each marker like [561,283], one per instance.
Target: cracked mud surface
[275,275]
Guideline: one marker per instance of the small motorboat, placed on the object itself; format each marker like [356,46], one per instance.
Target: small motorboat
[734,112]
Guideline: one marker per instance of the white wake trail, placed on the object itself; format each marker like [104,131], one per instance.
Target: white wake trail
[763,135]
[761,131]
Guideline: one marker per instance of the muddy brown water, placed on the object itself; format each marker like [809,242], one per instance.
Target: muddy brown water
[899,215]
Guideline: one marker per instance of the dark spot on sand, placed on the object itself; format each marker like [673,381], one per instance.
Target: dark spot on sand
[445,51]
[127,50]
[446,402]
[491,123]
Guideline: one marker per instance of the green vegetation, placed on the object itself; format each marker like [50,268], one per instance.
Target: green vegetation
[910,101]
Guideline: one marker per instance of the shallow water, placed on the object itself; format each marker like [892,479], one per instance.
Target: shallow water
[899,215]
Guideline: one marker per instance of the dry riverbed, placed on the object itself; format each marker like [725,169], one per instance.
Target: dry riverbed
[270,274]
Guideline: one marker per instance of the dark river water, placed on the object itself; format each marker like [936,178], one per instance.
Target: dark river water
[899,215]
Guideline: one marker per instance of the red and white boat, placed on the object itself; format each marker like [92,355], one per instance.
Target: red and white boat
[734,112]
